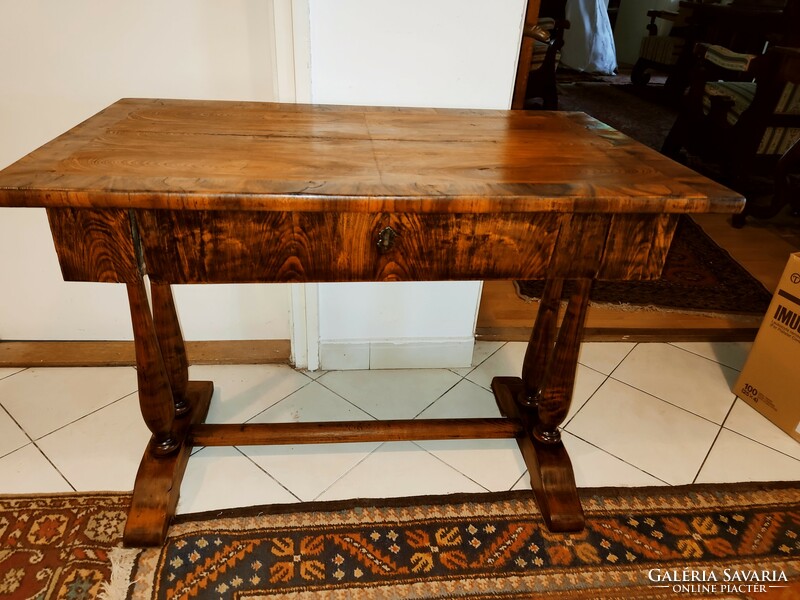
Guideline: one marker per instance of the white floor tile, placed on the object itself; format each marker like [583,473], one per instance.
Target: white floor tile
[745,420]
[243,391]
[101,451]
[307,470]
[594,467]
[465,400]
[494,464]
[11,436]
[9,371]
[42,400]
[399,469]
[224,478]
[587,382]
[730,354]
[736,458]
[27,471]
[631,438]
[480,353]
[391,394]
[654,436]
[507,361]
[681,378]
[604,356]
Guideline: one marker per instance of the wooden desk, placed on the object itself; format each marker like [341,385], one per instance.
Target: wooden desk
[215,192]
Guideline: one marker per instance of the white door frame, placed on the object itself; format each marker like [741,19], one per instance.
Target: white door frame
[292,81]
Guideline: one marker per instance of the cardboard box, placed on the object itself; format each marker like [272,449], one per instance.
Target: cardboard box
[770,380]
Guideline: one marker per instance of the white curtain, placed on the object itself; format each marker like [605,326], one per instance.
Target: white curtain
[589,42]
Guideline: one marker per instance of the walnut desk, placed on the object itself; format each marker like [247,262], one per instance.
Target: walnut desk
[229,192]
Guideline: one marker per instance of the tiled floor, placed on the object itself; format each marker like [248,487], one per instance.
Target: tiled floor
[643,414]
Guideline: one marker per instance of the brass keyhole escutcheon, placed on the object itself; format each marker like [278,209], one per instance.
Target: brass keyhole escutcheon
[386,239]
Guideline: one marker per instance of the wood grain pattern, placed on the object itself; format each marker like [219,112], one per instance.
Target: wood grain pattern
[118,354]
[549,467]
[155,392]
[170,341]
[94,245]
[555,390]
[541,342]
[241,247]
[157,487]
[353,431]
[201,155]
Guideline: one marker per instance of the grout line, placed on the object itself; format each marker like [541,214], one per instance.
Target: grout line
[619,459]
[451,467]
[627,354]
[351,469]
[597,389]
[277,402]
[21,369]
[25,433]
[686,410]
[350,402]
[267,473]
[716,362]
[442,395]
[83,416]
[513,485]
[57,470]
[710,448]
[760,443]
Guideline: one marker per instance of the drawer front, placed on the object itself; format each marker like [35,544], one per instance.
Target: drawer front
[239,247]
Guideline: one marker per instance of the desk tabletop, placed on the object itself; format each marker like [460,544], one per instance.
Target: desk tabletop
[215,155]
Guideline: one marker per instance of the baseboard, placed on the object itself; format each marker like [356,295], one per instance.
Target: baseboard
[640,334]
[112,354]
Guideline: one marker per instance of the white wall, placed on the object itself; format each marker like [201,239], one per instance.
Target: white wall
[447,53]
[60,62]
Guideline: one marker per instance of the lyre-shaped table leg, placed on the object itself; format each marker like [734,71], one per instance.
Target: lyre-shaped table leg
[540,399]
[162,372]
[155,393]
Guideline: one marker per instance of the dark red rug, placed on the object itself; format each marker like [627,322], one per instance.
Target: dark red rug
[698,276]
[698,541]
[732,541]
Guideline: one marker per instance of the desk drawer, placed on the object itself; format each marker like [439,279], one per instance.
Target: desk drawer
[240,247]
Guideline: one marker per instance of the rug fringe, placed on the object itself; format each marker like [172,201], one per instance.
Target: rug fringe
[122,563]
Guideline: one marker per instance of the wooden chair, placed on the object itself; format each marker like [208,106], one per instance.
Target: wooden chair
[741,115]
[542,40]
[741,25]
[666,53]
[548,36]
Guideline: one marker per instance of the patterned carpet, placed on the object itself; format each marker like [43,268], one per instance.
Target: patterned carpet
[641,113]
[698,276]
[726,541]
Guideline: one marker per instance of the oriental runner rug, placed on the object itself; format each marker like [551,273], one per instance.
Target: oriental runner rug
[698,276]
[721,541]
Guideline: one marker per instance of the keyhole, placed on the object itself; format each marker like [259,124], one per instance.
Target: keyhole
[386,239]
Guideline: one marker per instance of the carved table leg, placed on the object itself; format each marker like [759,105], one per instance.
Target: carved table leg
[170,340]
[162,373]
[541,399]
